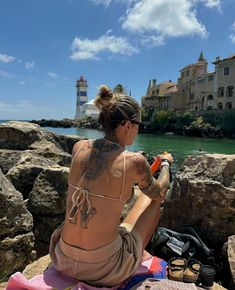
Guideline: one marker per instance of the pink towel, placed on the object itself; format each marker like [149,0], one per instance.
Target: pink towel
[51,279]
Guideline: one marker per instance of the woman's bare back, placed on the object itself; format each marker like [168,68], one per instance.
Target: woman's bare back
[102,187]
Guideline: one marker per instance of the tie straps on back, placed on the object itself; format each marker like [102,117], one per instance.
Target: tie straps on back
[81,202]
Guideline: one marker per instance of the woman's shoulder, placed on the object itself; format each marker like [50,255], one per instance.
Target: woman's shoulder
[136,157]
[80,144]
[136,164]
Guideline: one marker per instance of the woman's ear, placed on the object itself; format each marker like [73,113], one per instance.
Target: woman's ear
[127,126]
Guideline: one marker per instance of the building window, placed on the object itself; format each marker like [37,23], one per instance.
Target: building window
[81,103]
[227,71]
[192,84]
[201,81]
[192,96]
[229,91]
[210,78]
[221,92]
[196,108]
[84,94]
[228,105]
[210,97]
[209,108]
[219,106]
[187,73]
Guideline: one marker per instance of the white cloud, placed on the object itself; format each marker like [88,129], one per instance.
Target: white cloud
[152,40]
[90,48]
[232,38]
[22,83]
[6,58]
[52,75]
[165,18]
[29,65]
[106,3]
[232,35]
[213,3]
[102,2]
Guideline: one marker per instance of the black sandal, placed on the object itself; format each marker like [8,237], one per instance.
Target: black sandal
[191,273]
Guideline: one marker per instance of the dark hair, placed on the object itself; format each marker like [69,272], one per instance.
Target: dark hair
[115,108]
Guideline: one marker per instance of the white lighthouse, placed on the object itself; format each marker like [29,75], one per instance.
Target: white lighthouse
[81,97]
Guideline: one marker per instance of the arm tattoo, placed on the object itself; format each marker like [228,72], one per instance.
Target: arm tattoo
[142,170]
[153,190]
[146,182]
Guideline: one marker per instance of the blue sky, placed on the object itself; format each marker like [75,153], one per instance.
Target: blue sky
[45,45]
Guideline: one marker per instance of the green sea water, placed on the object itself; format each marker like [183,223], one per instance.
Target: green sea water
[178,146]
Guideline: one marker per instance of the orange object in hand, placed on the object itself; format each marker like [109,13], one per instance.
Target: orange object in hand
[156,163]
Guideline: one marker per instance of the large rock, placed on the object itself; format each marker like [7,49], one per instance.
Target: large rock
[25,171]
[17,135]
[15,253]
[47,203]
[29,153]
[67,141]
[16,223]
[49,192]
[50,151]
[203,196]
[14,216]
[8,158]
[231,259]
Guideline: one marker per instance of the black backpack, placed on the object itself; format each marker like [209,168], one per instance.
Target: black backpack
[185,242]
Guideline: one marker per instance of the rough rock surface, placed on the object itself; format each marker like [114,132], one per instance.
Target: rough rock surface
[203,195]
[47,203]
[16,223]
[34,166]
[231,259]
[17,135]
[8,158]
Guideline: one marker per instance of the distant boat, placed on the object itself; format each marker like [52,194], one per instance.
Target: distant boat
[169,133]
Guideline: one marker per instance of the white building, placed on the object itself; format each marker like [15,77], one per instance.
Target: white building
[89,109]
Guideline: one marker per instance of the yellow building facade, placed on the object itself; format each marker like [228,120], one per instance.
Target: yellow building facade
[196,89]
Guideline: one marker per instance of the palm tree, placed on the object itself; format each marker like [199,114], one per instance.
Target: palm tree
[120,89]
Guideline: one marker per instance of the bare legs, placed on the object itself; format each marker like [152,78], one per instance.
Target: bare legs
[145,216]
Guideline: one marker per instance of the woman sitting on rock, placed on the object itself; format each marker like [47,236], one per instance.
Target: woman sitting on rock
[91,245]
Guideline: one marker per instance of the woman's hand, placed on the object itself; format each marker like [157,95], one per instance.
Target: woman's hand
[168,157]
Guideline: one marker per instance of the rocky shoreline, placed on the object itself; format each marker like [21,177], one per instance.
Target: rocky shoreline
[194,130]
[68,123]
[34,165]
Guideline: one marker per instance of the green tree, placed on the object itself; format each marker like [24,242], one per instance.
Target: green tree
[228,123]
[187,118]
[163,121]
[120,89]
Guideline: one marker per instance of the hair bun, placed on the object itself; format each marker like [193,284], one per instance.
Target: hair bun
[104,89]
[105,99]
